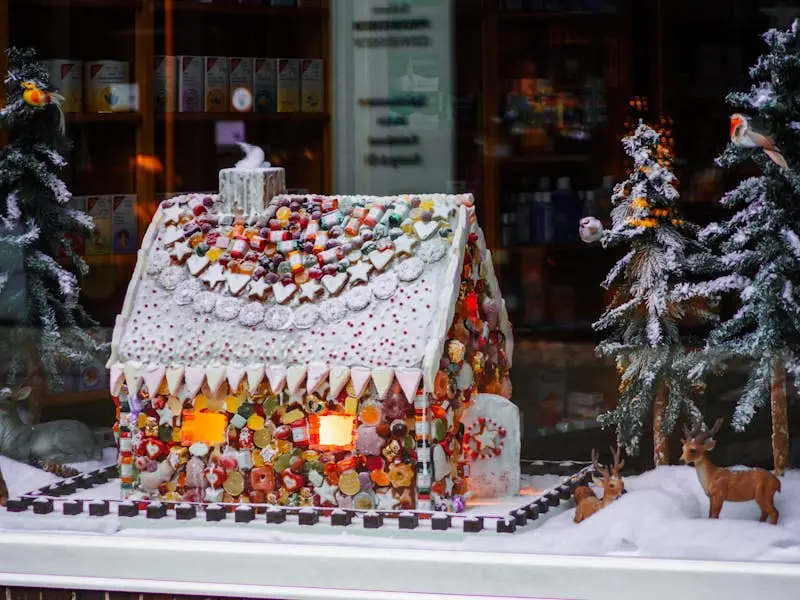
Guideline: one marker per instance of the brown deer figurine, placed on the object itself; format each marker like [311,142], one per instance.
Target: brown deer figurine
[721,484]
[586,501]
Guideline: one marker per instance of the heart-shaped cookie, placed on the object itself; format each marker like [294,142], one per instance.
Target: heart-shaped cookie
[197,263]
[380,259]
[237,282]
[283,292]
[334,283]
[425,230]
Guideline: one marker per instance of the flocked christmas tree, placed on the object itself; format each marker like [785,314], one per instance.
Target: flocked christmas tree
[758,249]
[643,319]
[38,295]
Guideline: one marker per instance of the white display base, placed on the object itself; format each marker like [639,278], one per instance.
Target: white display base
[224,568]
[651,539]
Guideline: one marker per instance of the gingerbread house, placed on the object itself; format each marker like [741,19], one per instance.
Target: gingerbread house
[309,350]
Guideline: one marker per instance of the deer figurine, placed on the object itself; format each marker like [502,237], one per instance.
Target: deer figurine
[586,501]
[64,441]
[721,484]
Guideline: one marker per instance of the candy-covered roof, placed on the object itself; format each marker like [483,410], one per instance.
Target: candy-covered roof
[348,280]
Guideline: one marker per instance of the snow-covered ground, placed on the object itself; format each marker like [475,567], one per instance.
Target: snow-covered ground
[662,516]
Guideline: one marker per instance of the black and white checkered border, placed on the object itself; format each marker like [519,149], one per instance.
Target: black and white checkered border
[532,512]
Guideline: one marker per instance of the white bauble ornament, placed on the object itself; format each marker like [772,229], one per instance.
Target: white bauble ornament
[590,230]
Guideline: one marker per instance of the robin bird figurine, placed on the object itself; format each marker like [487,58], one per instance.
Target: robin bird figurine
[743,134]
[39,98]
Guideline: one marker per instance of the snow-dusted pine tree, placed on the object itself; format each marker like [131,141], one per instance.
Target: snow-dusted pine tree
[758,249]
[643,318]
[38,296]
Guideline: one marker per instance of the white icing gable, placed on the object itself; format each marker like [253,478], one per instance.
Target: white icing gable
[341,280]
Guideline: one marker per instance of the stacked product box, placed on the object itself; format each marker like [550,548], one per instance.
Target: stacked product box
[239,84]
[191,71]
[164,83]
[124,224]
[115,225]
[94,86]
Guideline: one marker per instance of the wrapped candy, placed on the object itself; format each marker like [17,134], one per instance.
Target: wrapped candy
[455,351]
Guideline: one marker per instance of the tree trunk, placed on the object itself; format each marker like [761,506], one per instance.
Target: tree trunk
[660,441]
[780,424]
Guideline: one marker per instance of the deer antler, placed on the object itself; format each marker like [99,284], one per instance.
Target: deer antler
[598,467]
[696,430]
[618,464]
[702,436]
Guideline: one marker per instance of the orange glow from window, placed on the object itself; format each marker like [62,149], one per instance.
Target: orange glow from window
[336,430]
[203,427]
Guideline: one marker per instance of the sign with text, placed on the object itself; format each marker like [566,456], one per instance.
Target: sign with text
[392,77]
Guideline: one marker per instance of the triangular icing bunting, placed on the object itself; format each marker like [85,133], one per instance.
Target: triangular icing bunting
[133,377]
[337,379]
[115,378]
[360,378]
[215,375]
[174,379]
[409,381]
[383,379]
[153,378]
[294,377]
[235,375]
[255,373]
[194,377]
[276,374]
[316,374]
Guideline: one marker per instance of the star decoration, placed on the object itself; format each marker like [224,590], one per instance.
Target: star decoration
[442,212]
[359,272]
[258,289]
[214,275]
[181,250]
[386,501]
[404,245]
[486,438]
[268,453]
[165,415]
[309,290]
[173,214]
[326,492]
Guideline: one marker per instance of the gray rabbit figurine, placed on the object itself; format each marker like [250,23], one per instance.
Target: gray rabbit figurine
[63,441]
[3,490]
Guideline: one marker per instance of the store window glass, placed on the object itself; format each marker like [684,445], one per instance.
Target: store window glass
[280,252]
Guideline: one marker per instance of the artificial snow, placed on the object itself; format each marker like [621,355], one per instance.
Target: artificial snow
[663,515]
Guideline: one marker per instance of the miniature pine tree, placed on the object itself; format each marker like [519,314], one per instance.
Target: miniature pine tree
[38,296]
[757,250]
[643,318]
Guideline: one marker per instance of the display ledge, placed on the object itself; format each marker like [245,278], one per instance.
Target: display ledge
[297,12]
[129,4]
[233,116]
[232,568]
[104,117]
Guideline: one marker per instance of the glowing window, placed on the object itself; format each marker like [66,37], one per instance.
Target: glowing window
[203,427]
[333,431]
